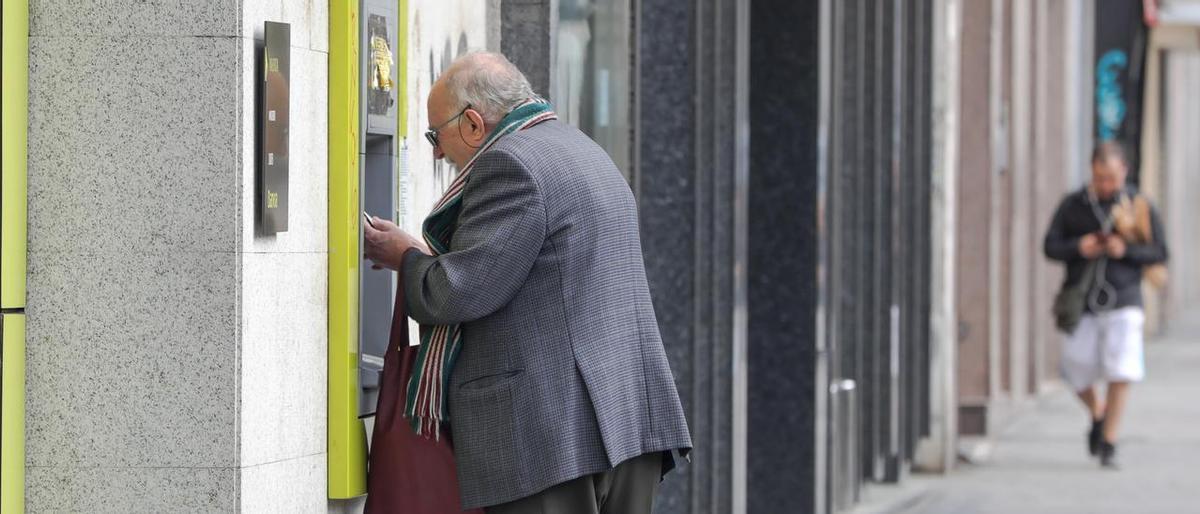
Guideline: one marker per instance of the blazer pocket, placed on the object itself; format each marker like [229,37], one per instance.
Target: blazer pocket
[487,381]
[485,436]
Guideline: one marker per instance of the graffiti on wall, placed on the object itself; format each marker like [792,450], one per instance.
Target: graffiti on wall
[439,31]
[1110,102]
[1120,46]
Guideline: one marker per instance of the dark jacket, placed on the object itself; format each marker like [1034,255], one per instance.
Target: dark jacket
[562,372]
[1075,218]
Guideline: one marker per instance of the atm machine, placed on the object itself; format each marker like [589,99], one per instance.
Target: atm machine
[366,106]
[377,184]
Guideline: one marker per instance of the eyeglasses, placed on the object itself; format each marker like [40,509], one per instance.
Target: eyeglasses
[431,135]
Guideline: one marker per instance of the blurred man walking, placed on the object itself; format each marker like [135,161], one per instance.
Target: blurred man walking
[1100,306]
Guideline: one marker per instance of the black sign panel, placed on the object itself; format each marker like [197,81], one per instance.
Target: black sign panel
[273,179]
[1120,61]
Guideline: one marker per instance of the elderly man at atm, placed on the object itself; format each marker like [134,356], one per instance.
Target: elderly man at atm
[540,346]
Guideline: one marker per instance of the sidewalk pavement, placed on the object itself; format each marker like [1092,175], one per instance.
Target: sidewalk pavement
[1040,462]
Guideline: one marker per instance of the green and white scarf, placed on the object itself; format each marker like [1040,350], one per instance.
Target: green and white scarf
[425,403]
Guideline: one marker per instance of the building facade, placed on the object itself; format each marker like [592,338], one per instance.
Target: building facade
[842,203]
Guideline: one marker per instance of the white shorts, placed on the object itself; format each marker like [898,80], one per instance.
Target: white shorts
[1105,347]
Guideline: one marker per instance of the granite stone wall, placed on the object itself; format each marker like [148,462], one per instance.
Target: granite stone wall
[783,243]
[176,359]
[134,232]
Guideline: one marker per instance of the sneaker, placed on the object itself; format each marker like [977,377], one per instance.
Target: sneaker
[1095,436]
[1108,455]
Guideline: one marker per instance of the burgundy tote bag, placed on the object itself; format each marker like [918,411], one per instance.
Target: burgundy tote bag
[407,473]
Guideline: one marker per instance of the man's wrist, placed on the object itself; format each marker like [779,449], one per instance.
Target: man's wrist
[1076,245]
[411,254]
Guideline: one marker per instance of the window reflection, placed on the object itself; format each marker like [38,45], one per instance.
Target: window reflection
[591,82]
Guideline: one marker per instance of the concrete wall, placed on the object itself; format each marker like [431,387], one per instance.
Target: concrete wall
[1053,155]
[937,452]
[1169,157]
[439,31]
[1022,252]
[1180,184]
[973,258]
[282,302]
[1019,140]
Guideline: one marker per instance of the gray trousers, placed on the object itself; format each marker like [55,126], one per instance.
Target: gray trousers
[629,488]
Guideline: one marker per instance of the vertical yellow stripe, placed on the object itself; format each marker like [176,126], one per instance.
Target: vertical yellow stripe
[15,99]
[12,417]
[402,72]
[347,445]
[14,106]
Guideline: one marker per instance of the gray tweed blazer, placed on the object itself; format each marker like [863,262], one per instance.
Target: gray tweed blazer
[562,372]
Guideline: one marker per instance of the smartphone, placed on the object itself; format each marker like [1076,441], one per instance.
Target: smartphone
[367,218]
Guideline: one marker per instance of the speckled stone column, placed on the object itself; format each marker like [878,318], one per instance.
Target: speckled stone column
[134,158]
[526,27]
[176,362]
[783,237]
[685,181]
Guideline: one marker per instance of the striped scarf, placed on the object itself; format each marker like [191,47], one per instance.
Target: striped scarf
[425,403]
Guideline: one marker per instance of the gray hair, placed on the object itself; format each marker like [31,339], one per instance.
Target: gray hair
[489,82]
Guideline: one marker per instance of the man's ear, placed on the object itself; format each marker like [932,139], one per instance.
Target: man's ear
[476,121]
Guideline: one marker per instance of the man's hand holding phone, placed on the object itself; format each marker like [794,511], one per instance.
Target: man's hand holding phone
[1114,246]
[385,243]
[1092,246]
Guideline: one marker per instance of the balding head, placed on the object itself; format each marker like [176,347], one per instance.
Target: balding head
[486,81]
[467,102]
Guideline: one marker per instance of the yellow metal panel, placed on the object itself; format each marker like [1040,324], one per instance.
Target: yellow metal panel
[347,440]
[12,416]
[15,99]
[402,72]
